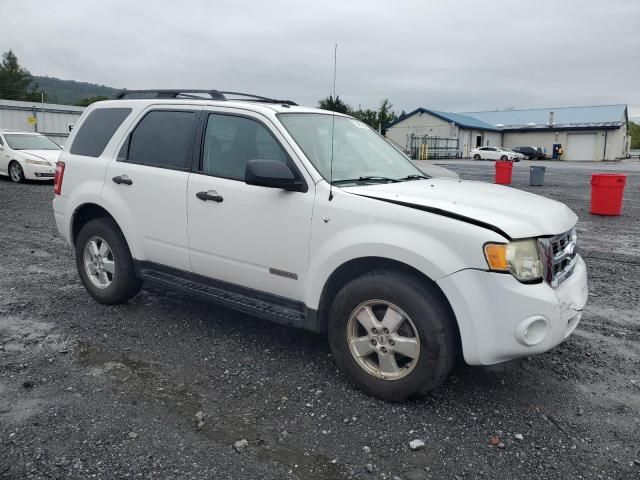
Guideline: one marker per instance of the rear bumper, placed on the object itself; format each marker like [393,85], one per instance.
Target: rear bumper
[501,319]
[62,222]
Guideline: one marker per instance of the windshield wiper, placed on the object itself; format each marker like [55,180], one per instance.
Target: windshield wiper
[414,177]
[365,179]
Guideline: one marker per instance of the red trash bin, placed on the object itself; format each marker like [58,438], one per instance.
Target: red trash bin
[606,193]
[504,171]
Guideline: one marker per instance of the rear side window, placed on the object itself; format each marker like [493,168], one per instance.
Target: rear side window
[96,131]
[163,138]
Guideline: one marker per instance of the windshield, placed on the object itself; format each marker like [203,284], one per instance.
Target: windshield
[30,142]
[359,153]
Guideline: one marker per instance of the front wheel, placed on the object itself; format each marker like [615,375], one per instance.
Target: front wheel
[504,158]
[16,172]
[476,157]
[104,262]
[393,335]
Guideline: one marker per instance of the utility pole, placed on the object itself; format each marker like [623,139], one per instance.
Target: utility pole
[42,108]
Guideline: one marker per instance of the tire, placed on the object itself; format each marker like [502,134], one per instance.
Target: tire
[119,282]
[477,157]
[504,158]
[16,173]
[423,309]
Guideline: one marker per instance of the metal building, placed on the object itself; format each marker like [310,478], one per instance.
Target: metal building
[585,133]
[52,120]
[434,134]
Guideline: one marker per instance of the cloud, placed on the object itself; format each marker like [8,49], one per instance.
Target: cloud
[454,55]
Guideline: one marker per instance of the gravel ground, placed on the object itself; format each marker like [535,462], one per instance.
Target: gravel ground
[164,386]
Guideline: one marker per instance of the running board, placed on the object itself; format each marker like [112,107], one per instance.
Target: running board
[264,305]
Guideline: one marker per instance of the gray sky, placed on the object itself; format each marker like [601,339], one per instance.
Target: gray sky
[448,55]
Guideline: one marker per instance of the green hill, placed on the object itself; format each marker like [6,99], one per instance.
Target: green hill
[70,92]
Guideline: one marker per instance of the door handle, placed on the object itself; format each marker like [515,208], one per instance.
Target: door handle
[210,195]
[122,179]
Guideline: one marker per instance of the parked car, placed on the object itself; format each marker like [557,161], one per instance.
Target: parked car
[27,156]
[492,153]
[542,153]
[531,153]
[517,156]
[311,219]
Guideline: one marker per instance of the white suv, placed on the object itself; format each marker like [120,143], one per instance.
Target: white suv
[311,219]
[27,156]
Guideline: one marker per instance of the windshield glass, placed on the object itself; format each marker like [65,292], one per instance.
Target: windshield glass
[359,153]
[30,142]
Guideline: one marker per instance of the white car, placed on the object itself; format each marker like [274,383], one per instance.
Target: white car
[27,155]
[492,153]
[516,155]
[311,219]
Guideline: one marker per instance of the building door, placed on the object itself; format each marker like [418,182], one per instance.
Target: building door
[581,146]
[478,141]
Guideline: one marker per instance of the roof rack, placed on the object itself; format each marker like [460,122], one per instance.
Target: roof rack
[198,95]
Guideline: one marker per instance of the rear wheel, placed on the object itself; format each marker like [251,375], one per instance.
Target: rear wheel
[104,262]
[15,172]
[393,335]
[477,157]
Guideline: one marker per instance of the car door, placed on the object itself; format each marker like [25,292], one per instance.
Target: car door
[491,153]
[148,183]
[250,236]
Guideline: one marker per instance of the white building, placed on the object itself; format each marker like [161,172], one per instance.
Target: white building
[585,133]
[52,120]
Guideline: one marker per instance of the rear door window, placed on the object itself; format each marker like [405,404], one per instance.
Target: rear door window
[163,138]
[96,131]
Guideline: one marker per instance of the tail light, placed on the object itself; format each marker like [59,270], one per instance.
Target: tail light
[57,179]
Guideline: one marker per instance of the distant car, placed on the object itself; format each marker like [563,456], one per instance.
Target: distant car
[492,153]
[27,156]
[542,153]
[518,156]
[532,153]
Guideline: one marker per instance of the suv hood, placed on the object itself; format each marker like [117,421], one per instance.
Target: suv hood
[50,155]
[506,210]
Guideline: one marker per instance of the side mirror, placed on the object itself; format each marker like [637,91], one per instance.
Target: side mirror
[271,173]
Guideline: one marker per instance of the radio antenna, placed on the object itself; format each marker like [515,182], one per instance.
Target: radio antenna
[333,119]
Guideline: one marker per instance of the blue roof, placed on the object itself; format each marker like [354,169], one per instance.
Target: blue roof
[460,119]
[567,117]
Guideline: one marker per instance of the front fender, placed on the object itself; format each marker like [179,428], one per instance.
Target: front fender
[435,245]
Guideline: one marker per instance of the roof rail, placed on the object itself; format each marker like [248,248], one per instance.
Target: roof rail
[198,95]
[178,93]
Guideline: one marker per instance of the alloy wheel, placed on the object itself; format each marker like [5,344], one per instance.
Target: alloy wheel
[383,340]
[15,171]
[98,262]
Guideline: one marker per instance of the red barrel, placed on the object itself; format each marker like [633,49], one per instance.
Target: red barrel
[503,173]
[606,193]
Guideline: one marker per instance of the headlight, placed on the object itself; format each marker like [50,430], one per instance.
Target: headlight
[37,162]
[521,258]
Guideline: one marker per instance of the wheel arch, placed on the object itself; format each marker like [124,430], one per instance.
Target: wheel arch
[358,267]
[85,212]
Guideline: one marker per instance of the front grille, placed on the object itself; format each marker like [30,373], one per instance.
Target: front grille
[559,256]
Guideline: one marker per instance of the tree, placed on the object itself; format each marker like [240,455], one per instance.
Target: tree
[334,105]
[15,80]
[85,102]
[368,116]
[634,133]
[386,115]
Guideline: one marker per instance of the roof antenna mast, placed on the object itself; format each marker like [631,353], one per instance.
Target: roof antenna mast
[333,120]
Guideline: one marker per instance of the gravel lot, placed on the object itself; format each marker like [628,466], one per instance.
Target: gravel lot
[90,391]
